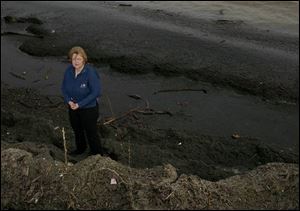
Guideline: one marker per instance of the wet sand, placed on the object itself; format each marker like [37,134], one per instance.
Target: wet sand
[226,52]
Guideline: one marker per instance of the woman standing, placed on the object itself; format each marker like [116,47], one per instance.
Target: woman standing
[81,89]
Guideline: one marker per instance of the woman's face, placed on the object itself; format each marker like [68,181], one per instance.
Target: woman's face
[77,61]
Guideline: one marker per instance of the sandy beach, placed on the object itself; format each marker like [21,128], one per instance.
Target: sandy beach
[221,79]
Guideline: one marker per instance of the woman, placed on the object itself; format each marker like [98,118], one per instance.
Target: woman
[81,89]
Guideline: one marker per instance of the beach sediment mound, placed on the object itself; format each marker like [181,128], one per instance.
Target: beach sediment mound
[33,182]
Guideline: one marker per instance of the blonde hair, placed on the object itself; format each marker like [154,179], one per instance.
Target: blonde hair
[78,50]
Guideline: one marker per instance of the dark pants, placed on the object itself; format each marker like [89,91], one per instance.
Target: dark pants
[84,122]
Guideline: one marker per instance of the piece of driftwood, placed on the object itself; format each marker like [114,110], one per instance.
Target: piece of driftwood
[151,112]
[180,90]
[144,111]
[21,34]
[17,76]
[138,97]
[125,5]
[35,81]
[135,96]
[117,118]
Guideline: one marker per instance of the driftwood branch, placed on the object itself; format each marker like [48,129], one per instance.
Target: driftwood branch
[138,97]
[123,115]
[151,112]
[180,90]
[21,34]
[145,111]
[17,76]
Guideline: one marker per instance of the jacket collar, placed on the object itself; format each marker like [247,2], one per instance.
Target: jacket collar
[82,71]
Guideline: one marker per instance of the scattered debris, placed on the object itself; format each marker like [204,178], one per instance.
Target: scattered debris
[113,181]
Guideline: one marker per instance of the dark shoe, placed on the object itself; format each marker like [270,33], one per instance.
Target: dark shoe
[76,152]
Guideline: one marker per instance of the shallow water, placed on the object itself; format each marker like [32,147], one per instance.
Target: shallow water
[220,112]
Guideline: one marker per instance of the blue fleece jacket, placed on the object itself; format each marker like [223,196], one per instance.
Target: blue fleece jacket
[85,89]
